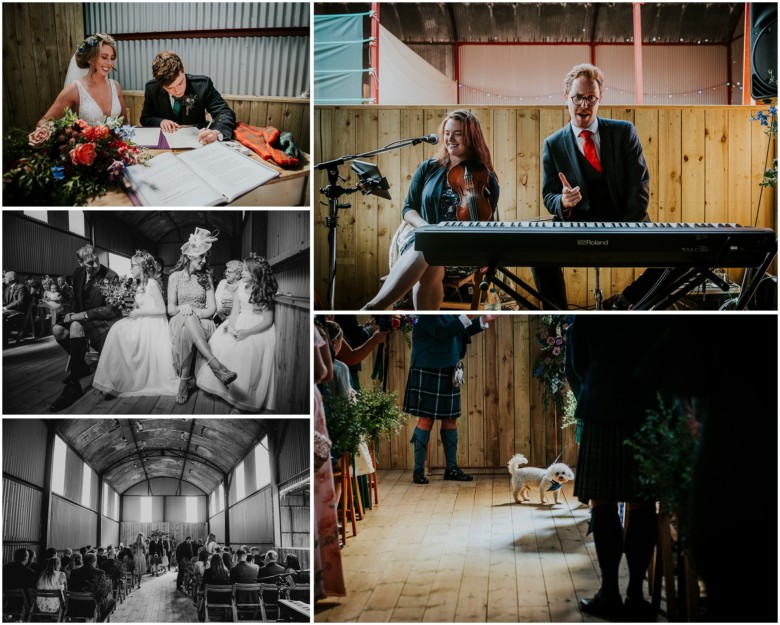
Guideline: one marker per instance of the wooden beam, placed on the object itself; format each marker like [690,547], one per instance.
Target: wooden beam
[46,498]
[274,446]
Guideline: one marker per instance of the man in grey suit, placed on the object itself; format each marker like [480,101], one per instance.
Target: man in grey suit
[593,170]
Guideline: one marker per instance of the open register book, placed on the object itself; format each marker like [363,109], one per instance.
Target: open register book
[208,176]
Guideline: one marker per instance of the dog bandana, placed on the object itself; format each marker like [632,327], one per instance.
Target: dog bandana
[555,486]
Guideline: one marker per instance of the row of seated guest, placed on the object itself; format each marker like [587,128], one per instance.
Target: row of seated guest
[251,568]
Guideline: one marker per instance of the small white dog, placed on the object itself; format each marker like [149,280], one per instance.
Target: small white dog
[549,479]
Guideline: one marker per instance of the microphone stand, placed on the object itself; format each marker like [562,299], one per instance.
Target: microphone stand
[333,191]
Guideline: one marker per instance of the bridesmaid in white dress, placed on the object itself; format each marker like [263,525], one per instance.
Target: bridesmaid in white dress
[94,96]
[136,358]
[246,343]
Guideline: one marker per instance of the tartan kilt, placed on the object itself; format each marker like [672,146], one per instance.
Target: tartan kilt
[430,393]
[97,331]
[606,469]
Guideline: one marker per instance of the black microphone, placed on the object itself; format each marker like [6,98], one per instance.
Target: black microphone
[432,139]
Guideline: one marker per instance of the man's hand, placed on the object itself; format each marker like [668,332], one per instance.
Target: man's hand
[570,197]
[206,136]
[168,125]
[489,318]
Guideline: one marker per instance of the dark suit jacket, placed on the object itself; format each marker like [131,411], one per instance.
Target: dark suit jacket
[623,164]
[113,569]
[88,298]
[80,577]
[269,570]
[242,573]
[439,341]
[16,297]
[16,575]
[183,551]
[157,106]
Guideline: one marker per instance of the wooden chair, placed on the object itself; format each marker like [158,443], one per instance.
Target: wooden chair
[300,593]
[36,615]
[129,581]
[81,607]
[270,597]
[16,605]
[347,502]
[252,607]
[373,478]
[117,589]
[214,602]
[194,588]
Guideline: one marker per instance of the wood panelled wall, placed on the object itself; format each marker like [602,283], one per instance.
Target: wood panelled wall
[292,327]
[128,530]
[705,165]
[38,41]
[501,406]
[286,114]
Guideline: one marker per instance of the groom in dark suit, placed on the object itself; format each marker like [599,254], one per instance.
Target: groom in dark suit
[593,170]
[90,320]
[173,99]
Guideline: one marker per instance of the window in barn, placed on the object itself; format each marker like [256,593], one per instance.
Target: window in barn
[76,223]
[120,264]
[39,215]
[146,509]
[262,466]
[240,483]
[105,499]
[191,509]
[58,470]
[86,486]
[221,497]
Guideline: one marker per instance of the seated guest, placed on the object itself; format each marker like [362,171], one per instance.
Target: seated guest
[32,563]
[88,578]
[227,559]
[217,573]
[202,564]
[67,554]
[76,563]
[113,568]
[293,567]
[16,299]
[250,560]
[17,574]
[51,578]
[242,573]
[226,289]
[160,265]
[173,99]
[271,567]
[100,556]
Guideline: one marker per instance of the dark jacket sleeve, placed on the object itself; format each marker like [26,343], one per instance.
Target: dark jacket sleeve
[414,196]
[637,177]
[552,188]
[222,114]
[149,115]
[21,299]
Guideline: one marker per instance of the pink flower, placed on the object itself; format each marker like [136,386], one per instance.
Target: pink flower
[38,137]
[556,351]
[550,340]
[83,154]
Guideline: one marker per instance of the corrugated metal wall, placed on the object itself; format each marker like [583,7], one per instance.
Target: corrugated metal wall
[74,476]
[251,520]
[23,240]
[164,486]
[176,509]
[24,449]
[259,66]
[21,512]
[217,524]
[164,508]
[117,236]
[293,451]
[110,529]
[72,526]
[295,521]
[509,74]
[131,509]
[128,530]
[287,234]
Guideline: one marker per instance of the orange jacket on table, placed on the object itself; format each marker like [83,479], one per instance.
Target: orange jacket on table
[262,140]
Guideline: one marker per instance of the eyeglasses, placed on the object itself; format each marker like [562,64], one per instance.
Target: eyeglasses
[579,100]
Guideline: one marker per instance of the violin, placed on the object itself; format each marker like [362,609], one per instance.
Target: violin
[470,182]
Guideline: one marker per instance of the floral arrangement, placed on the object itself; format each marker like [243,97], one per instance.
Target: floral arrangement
[118,291]
[188,100]
[770,121]
[550,365]
[67,162]
[90,42]
[390,323]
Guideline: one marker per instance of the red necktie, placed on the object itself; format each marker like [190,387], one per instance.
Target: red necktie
[590,150]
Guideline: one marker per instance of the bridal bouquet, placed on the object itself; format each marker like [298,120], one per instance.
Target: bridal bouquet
[118,293]
[67,162]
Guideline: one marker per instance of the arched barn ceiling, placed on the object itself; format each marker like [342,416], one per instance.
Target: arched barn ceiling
[156,225]
[549,22]
[129,451]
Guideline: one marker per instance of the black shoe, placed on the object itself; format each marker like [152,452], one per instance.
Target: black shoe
[457,474]
[418,477]
[69,395]
[639,611]
[610,609]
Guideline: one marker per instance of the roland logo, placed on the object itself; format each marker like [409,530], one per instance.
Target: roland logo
[593,242]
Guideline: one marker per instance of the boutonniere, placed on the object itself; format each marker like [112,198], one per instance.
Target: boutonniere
[188,100]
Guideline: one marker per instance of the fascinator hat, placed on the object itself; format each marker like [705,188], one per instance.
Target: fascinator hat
[199,243]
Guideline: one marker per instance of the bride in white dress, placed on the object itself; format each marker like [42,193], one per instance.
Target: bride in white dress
[93,96]
[137,358]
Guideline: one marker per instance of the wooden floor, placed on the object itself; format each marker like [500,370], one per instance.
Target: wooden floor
[157,601]
[465,552]
[32,380]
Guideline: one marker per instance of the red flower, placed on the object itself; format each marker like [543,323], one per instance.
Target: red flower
[80,123]
[395,323]
[83,154]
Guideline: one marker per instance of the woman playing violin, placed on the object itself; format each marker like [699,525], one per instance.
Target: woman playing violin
[431,199]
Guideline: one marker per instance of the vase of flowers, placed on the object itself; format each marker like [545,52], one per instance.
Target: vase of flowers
[67,162]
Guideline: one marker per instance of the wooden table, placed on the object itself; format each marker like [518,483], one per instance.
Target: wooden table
[294,611]
[289,188]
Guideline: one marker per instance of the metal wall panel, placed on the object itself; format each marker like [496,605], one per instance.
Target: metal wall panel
[217,525]
[23,240]
[117,236]
[294,450]
[24,449]
[441,56]
[287,234]
[164,486]
[131,509]
[111,504]
[21,512]
[132,17]
[110,529]
[176,509]
[9,548]
[251,520]
[74,476]
[72,526]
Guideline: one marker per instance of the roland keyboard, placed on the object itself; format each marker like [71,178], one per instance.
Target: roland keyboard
[594,244]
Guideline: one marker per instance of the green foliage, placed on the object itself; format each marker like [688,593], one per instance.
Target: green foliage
[378,412]
[550,365]
[569,408]
[663,447]
[344,428]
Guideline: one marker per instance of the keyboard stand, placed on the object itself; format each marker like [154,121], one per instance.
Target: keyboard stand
[490,278]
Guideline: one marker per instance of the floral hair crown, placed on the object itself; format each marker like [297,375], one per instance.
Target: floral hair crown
[90,41]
